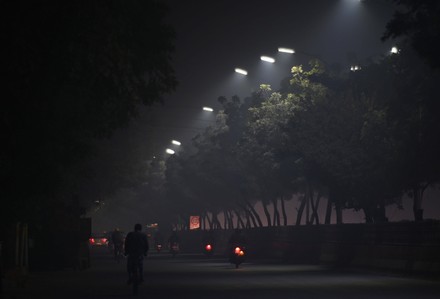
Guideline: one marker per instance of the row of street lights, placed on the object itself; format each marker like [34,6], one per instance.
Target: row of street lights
[353,68]
[266,59]
[177,143]
[171,151]
[394,50]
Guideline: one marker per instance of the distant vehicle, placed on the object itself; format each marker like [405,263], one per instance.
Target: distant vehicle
[99,239]
[208,249]
[237,255]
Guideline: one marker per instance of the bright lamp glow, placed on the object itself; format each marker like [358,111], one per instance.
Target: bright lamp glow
[241,71]
[170,151]
[176,142]
[267,59]
[355,68]
[394,50]
[286,50]
[208,109]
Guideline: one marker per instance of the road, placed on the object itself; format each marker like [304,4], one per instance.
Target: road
[195,276]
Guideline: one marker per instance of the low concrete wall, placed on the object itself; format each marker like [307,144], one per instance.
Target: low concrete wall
[405,247]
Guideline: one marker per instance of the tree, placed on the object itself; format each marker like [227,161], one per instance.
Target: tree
[76,72]
[345,142]
[261,149]
[416,111]
[419,23]
[408,92]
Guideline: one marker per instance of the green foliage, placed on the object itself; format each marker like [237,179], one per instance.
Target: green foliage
[361,139]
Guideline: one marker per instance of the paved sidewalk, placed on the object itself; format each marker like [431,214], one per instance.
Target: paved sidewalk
[105,279]
[198,277]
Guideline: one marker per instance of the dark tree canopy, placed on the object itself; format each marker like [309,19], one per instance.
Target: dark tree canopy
[419,22]
[76,71]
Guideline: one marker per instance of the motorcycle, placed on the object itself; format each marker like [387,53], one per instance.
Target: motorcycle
[237,255]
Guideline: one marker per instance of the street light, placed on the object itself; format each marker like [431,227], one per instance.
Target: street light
[394,50]
[175,142]
[209,109]
[170,151]
[286,50]
[241,71]
[267,59]
[355,68]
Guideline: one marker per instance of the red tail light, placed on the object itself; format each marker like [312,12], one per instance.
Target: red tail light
[92,240]
[208,247]
[239,251]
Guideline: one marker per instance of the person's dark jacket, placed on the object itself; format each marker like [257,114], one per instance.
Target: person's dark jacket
[136,244]
[117,237]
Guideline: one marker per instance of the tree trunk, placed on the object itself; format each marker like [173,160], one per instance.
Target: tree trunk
[328,212]
[368,215]
[308,198]
[338,208]
[231,219]
[184,223]
[381,216]
[276,213]
[202,221]
[252,218]
[240,222]
[301,209]
[315,205]
[225,219]
[215,221]
[283,211]
[267,213]
[254,214]
[249,216]
[418,191]
[209,221]
[248,219]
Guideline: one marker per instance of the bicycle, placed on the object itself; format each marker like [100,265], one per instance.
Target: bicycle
[135,264]
[118,250]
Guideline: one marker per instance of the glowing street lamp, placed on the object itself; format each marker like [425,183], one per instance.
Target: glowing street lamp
[175,142]
[286,50]
[355,68]
[241,71]
[209,109]
[394,50]
[267,59]
[170,151]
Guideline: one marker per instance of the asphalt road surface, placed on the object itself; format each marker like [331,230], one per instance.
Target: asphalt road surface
[196,276]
